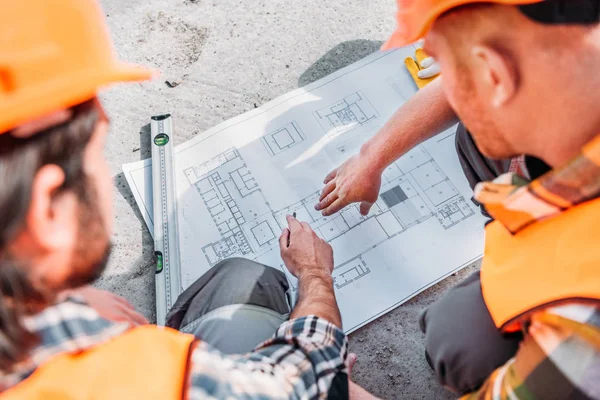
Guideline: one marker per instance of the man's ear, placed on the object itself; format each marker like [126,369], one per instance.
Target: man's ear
[497,73]
[51,218]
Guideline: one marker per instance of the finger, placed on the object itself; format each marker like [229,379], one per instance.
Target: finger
[293,223]
[333,208]
[327,189]
[427,62]
[284,239]
[306,226]
[326,202]
[350,361]
[365,207]
[429,72]
[330,176]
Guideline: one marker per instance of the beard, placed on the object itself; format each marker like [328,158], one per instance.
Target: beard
[472,112]
[93,248]
[92,268]
[88,261]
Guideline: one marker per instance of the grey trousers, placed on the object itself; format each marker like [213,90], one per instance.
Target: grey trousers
[237,305]
[462,344]
[234,306]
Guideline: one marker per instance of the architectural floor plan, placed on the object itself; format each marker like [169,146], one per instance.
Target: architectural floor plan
[348,113]
[237,182]
[413,190]
[283,138]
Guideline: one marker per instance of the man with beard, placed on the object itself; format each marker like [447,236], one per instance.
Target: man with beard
[523,78]
[57,341]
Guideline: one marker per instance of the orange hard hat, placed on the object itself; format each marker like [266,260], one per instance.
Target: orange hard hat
[415,17]
[54,54]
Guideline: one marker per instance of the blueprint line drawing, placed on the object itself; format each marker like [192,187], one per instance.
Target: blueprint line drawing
[349,145]
[237,181]
[283,139]
[446,137]
[230,193]
[249,227]
[351,271]
[453,212]
[348,113]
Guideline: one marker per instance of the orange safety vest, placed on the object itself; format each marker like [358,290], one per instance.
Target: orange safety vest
[552,261]
[147,362]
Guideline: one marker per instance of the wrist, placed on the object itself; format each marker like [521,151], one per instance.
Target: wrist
[315,273]
[373,158]
[316,296]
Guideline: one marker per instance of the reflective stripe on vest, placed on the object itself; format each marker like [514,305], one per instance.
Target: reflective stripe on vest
[551,261]
[147,362]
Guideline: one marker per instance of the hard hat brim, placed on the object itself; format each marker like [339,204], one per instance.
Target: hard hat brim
[418,16]
[65,93]
[126,72]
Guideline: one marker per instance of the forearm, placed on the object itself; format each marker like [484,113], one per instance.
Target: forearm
[316,297]
[425,115]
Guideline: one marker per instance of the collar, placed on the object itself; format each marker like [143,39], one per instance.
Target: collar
[518,203]
[67,327]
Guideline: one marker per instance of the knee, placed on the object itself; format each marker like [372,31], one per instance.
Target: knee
[245,270]
[449,353]
[462,344]
[239,265]
[464,352]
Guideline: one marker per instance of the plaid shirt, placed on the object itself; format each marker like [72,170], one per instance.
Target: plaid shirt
[559,357]
[299,362]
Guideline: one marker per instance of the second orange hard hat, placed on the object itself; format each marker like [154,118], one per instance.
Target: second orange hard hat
[54,55]
[415,17]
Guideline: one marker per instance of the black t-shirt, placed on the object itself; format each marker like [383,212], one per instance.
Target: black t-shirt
[536,167]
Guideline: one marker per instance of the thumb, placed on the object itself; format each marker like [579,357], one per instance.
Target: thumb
[365,207]
[350,361]
[284,238]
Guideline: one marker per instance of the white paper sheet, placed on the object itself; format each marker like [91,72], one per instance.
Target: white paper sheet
[237,181]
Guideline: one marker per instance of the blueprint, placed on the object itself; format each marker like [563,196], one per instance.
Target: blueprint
[237,182]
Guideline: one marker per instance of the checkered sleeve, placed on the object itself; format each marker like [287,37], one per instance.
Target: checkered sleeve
[559,358]
[305,359]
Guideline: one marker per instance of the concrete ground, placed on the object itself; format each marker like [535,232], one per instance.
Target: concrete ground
[231,56]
